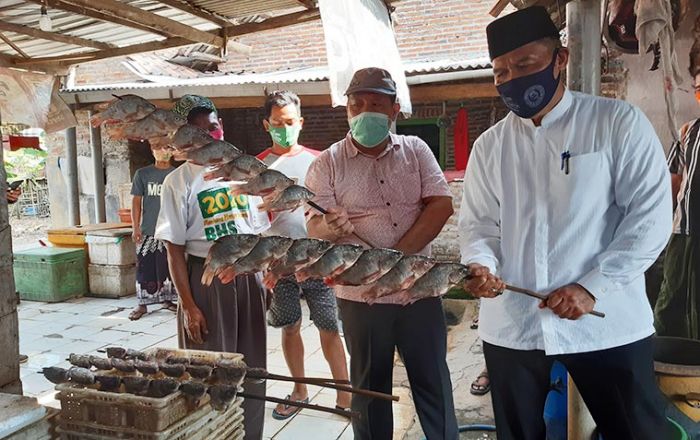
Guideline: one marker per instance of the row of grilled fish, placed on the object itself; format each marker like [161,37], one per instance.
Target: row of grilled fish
[137,119]
[384,271]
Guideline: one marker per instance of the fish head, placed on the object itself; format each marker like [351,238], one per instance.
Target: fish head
[420,263]
[279,244]
[458,273]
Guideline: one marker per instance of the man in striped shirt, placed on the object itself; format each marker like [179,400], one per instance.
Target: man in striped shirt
[677,310]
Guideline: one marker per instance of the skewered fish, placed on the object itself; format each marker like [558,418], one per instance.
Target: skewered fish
[116,352]
[163,387]
[400,277]
[266,251]
[126,108]
[265,183]
[80,360]
[222,396]
[333,262]
[81,375]
[124,365]
[199,371]
[289,199]
[240,169]
[303,252]
[55,375]
[146,367]
[194,390]
[101,363]
[190,136]
[372,265]
[157,124]
[225,251]
[108,383]
[212,153]
[136,384]
[437,281]
[173,370]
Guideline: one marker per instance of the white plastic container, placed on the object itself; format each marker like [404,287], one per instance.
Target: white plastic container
[111,247]
[111,281]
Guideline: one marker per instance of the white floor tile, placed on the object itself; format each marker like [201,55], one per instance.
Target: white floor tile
[311,428]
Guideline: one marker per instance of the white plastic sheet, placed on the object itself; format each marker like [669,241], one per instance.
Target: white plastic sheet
[359,34]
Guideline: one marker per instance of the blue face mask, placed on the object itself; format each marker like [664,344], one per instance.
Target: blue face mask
[528,95]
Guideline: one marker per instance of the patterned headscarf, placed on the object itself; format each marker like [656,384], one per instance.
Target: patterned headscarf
[187,103]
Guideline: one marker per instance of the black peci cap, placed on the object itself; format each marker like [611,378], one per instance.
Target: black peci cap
[518,29]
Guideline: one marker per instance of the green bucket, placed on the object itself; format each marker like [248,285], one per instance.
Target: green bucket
[678,431]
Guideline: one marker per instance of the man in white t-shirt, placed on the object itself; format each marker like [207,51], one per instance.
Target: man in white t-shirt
[284,122]
[193,214]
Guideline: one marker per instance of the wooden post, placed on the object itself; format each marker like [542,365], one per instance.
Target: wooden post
[98,172]
[9,331]
[583,20]
[72,177]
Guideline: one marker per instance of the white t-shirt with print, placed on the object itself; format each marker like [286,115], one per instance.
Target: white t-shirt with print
[293,165]
[195,212]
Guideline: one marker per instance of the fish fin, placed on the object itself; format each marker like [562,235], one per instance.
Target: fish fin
[270,280]
[237,189]
[208,276]
[264,206]
[329,281]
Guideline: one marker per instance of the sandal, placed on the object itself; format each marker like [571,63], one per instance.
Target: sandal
[170,306]
[477,388]
[137,313]
[279,416]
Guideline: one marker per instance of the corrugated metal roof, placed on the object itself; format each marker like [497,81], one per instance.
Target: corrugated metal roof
[289,76]
[28,13]
[246,8]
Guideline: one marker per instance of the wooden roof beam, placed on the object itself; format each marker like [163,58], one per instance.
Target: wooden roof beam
[13,46]
[308,4]
[185,6]
[51,36]
[149,19]
[84,57]
[68,7]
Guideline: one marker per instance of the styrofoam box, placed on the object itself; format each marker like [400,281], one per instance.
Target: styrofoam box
[111,281]
[111,247]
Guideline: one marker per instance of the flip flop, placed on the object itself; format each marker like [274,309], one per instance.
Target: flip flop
[135,315]
[478,389]
[172,307]
[279,416]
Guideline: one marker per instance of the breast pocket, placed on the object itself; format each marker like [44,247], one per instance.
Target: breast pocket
[589,176]
[405,185]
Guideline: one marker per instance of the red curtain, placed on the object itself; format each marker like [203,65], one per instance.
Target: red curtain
[461,136]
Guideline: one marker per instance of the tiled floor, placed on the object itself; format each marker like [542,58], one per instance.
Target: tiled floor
[50,332]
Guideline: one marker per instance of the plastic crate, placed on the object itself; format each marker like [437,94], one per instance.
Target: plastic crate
[50,274]
[203,424]
[111,281]
[112,247]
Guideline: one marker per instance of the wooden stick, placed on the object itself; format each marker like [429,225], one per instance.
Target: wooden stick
[349,389]
[255,372]
[340,412]
[544,297]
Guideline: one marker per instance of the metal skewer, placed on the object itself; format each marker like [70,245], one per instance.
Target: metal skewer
[374,394]
[543,297]
[322,210]
[340,412]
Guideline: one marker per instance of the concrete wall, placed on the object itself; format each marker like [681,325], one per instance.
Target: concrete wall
[117,171]
[645,88]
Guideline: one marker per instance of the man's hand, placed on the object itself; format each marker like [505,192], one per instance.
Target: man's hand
[569,302]
[338,222]
[482,283]
[137,235]
[195,324]
[13,195]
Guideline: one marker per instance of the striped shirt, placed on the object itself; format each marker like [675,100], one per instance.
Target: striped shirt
[683,160]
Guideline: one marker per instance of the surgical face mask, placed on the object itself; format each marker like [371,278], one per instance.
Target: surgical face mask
[528,95]
[162,155]
[285,136]
[369,129]
[217,134]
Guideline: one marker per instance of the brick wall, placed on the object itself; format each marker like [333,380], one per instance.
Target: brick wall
[425,29]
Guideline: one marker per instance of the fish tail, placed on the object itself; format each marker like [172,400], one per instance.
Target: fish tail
[209,275]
